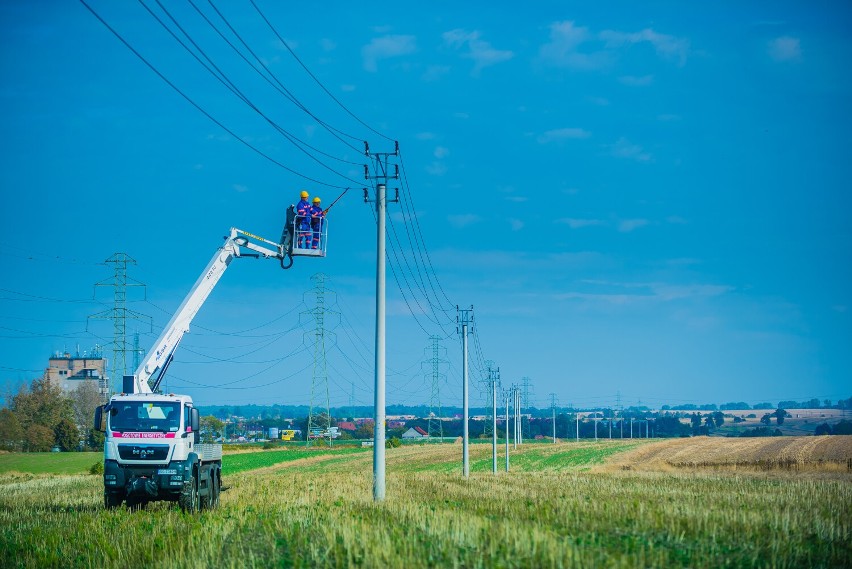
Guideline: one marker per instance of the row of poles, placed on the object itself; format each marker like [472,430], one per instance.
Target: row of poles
[513,396]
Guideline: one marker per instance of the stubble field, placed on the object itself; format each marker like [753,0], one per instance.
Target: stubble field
[563,505]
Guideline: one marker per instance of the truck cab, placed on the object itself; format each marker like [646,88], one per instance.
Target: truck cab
[152,451]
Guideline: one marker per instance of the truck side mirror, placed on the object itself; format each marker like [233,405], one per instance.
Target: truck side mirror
[100,419]
[195,424]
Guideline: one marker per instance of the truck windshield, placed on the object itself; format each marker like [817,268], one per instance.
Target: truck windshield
[144,417]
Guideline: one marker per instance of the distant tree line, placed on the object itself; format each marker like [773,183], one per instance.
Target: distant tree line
[842,428]
[742,405]
[39,417]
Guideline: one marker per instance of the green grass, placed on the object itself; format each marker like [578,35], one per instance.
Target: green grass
[235,463]
[548,511]
[49,462]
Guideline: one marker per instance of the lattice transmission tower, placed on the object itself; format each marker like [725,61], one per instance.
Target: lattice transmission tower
[320,423]
[434,424]
[526,400]
[119,314]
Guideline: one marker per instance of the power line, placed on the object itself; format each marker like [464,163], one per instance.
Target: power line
[296,57]
[231,86]
[284,91]
[198,107]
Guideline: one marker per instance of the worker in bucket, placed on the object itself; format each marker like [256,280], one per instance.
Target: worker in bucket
[317,215]
[304,212]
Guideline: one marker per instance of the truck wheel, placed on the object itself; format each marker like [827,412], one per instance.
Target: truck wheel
[188,499]
[136,504]
[204,501]
[112,500]
[214,498]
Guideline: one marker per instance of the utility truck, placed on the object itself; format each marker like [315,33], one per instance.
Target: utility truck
[152,447]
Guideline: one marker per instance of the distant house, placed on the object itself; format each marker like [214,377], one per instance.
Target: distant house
[395,424]
[414,433]
[346,425]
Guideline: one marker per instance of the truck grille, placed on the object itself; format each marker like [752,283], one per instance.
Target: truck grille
[143,452]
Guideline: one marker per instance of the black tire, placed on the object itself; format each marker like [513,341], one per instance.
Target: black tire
[136,504]
[188,499]
[112,500]
[204,501]
[214,500]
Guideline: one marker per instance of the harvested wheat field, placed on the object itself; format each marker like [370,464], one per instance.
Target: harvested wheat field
[816,454]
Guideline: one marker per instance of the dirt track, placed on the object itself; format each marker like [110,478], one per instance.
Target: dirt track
[828,453]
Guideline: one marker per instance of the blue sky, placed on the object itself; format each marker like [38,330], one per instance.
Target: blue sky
[646,201]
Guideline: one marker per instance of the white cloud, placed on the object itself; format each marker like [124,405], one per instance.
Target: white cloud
[436,168]
[575,223]
[463,220]
[240,188]
[425,136]
[562,49]
[676,220]
[562,134]
[435,72]
[623,148]
[634,81]
[599,101]
[632,293]
[480,51]
[347,88]
[327,44]
[666,46]
[785,48]
[627,225]
[461,115]
[441,152]
[517,199]
[386,47]
[575,47]
[516,224]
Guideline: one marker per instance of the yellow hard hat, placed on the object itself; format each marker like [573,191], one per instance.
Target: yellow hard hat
[304,194]
[317,200]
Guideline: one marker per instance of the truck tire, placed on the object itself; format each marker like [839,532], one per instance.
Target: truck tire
[205,501]
[188,499]
[112,500]
[214,499]
[136,504]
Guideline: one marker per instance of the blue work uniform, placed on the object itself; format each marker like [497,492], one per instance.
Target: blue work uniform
[317,215]
[303,223]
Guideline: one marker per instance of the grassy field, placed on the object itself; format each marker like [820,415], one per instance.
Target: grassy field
[557,507]
[821,454]
[49,462]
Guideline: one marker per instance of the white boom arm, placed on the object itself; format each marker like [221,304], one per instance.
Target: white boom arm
[158,359]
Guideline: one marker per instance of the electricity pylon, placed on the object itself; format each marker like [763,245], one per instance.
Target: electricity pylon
[119,313]
[434,424]
[526,393]
[319,425]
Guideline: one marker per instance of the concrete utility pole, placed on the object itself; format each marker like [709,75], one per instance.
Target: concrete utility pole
[465,319]
[507,430]
[518,432]
[381,176]
[493,378]
[553,411]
